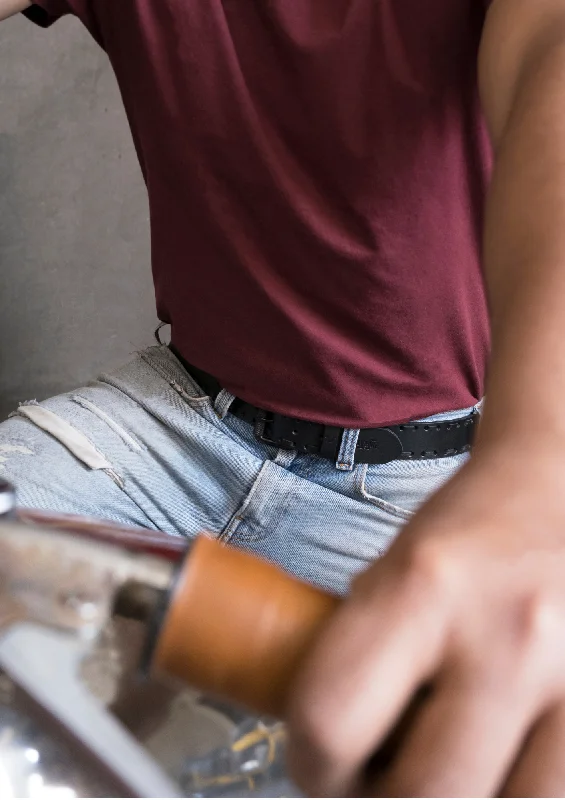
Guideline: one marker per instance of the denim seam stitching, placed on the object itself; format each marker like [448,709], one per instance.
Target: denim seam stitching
[174,384]
[389,508]
[239,516]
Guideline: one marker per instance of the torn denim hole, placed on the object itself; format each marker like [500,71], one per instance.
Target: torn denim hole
[12,448]
[123,434]
[15,448]
[76,442]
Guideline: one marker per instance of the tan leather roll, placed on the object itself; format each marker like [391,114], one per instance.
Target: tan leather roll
[239,627]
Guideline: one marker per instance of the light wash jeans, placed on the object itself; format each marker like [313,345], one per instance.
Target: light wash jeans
[142,446]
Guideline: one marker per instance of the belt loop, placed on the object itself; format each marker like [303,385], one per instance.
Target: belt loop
[223,402]
[346,458]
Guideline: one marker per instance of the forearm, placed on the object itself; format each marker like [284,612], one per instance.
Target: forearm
[524,257]
[10,7]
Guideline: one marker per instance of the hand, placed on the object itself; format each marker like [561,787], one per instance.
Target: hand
[469,602]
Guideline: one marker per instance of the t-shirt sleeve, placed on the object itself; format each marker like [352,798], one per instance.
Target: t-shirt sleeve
[45,12]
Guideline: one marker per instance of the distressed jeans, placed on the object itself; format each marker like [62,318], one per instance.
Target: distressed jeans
[143,446]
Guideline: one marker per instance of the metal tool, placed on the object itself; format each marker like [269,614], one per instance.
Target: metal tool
[56,595]
[203,608]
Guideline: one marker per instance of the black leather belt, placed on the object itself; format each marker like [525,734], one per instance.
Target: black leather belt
[409,441]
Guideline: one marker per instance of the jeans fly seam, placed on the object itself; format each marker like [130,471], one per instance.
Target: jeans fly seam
[239,515]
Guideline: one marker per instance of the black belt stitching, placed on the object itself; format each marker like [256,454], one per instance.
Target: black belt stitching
[408,441]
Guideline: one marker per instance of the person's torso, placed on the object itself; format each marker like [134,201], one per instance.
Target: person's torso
[316,173]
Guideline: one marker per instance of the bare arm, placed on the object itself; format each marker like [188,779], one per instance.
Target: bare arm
[522,78]
[470,598]
[10,7]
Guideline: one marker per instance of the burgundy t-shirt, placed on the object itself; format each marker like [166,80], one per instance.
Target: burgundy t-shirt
[316,173]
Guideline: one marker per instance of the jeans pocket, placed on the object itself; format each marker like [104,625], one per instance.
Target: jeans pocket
[379,502]
[165,363]
[399,488]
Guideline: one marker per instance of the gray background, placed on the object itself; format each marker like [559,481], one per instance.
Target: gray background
[75,282]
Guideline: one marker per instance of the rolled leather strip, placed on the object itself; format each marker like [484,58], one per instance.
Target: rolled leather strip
[239,627]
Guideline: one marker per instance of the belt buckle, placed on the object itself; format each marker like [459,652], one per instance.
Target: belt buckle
[259,432]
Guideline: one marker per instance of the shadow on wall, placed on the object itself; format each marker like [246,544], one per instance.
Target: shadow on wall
[75,283]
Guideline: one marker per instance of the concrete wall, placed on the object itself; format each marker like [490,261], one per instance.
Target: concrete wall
[75,284]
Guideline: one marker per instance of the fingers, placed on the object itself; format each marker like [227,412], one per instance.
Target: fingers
[382,645]
[462,742]
[540,770]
